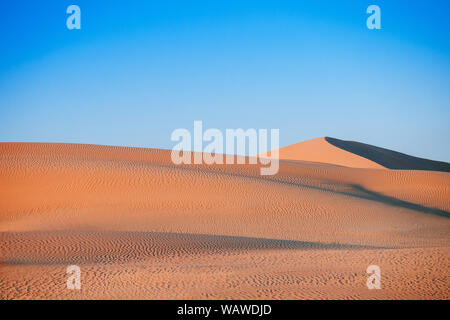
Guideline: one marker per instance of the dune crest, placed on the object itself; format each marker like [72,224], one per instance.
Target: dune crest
[356,155]
[320,150]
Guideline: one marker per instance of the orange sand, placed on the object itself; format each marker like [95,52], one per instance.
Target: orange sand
[140,227]
[319,150]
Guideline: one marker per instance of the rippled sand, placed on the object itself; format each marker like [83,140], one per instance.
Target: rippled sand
[140,227]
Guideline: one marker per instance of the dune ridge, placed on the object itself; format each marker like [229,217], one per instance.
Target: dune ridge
[356,155]
[388,158]
[141,227]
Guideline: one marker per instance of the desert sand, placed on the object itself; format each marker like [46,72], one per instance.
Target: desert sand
[357,155]
[140,227]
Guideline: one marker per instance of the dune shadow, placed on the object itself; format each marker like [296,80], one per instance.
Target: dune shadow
[388,158]
[363,193]
[375,196]
[100,247]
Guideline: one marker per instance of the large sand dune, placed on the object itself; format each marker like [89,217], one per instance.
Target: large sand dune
[140,227]
[357,155]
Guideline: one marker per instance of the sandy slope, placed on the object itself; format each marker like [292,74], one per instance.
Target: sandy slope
[320,150]
[356,155]
[141,227]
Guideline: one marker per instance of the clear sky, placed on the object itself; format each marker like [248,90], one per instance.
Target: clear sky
[137,70]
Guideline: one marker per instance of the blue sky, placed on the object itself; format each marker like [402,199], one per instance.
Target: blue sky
[137,70]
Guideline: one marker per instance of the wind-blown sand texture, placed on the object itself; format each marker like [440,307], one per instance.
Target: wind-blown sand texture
[141,227]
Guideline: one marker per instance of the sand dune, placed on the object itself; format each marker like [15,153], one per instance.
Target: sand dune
[356,155]
[141,227]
